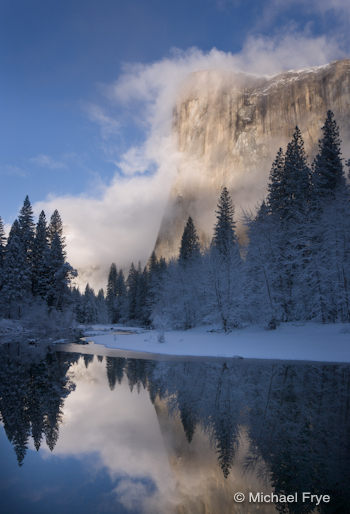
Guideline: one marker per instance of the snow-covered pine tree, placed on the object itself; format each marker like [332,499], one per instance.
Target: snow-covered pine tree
[2,242]
[27,226]
[101,306]
[328,171]
[224,239]
[295,181]
[111,296]
[330,228]
[189,249]
[261,273]
[155,270]
[77,301]
[293,231]
[2,250]
[133,292]
[225,264]
[56,227]
[121,304]
[60,274]
[16,275]
[40,271]
[89,305]
[275,187]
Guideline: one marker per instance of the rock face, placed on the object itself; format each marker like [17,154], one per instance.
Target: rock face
[229,127]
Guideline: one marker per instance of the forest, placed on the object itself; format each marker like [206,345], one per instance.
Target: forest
[295,265]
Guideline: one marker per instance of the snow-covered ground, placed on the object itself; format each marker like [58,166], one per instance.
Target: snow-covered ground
[290,341]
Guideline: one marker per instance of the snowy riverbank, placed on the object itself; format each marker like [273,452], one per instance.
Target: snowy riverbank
[290,341]
[42,330]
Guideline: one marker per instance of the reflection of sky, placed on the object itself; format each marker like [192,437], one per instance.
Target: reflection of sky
[117,452]
[121,429]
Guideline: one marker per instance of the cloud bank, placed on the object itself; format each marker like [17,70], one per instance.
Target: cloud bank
[121,223]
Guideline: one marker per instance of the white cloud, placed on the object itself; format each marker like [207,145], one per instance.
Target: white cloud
[122,223]
[107,124]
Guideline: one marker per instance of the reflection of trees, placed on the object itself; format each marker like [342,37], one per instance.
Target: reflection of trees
[297,416]
[32,390]
[115,370]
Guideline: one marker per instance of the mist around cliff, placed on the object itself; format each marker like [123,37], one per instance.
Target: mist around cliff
[121,220]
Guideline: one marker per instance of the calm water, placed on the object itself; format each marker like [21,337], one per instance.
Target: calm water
[89,433]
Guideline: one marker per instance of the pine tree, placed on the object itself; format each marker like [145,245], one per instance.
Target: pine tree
[26,232]
[26,225]
[101,306]
[2,243]
[275,188]
[133,288]
[89,305]
[16,276]
[225,264]
[60,274]
[330,229]
[40,259]
[292,229]
[295,180]
[224,239]
[121,305]
[189,249]
[2,250]
[56,227]
[261,291]
[111,297]
[328,170]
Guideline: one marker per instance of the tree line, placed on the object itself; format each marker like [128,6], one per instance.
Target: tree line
[34,272]
[294,267]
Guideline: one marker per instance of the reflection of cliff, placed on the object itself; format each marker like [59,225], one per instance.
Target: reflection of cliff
[32,389]
[226,425]
[296,416]
[229,128]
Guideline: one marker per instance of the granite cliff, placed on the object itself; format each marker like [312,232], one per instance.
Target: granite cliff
[228,128]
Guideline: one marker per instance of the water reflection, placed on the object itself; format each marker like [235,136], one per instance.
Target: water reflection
[184,436]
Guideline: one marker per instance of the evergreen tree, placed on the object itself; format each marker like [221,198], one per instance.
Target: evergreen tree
[101,307]
[224,239]
[16,276]
[56,228]
[26,233]
[329,227]
[275,188]
[60,274]
[111,297]
[328,170]
[261,291]
[89,306]
[225,264]
[189,249]
[295,181]
[133,288]
[2,250]
[40,259]
[26,226]
[2,243]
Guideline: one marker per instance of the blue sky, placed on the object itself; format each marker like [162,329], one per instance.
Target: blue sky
[77,100]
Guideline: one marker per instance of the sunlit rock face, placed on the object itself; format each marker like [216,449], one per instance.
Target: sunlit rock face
[229,127]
